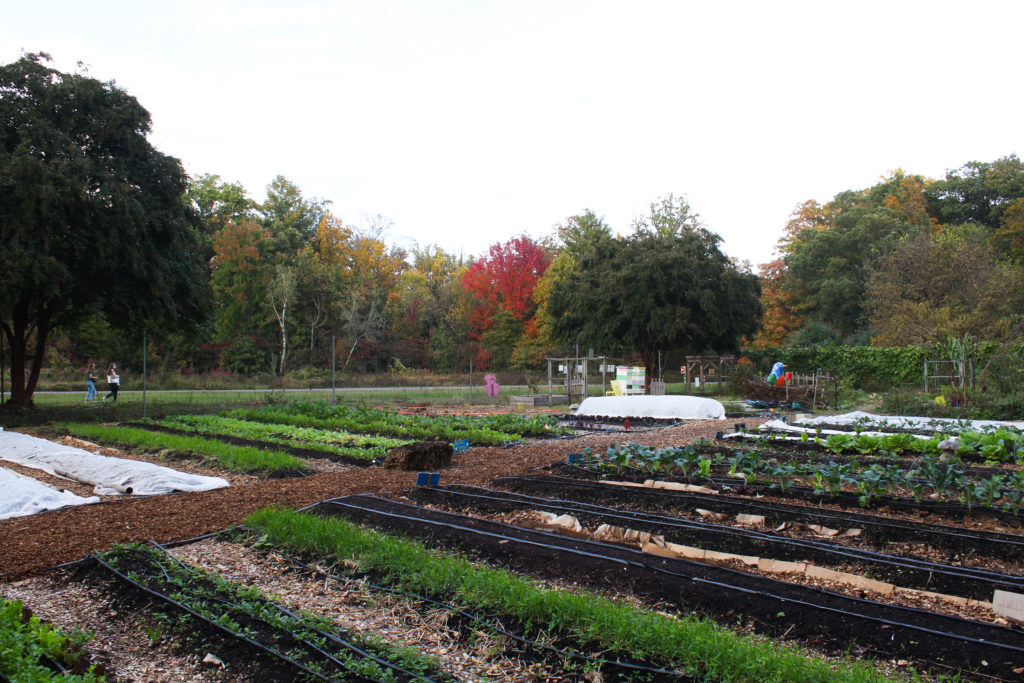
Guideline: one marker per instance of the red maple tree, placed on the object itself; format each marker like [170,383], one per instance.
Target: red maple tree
[504,280]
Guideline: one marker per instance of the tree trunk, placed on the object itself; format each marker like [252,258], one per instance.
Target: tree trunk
[42,333]
[284,336]
[650,365]
[18,335]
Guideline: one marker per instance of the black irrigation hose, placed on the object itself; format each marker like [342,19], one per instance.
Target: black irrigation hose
[987,579]
[988,644]
[200,617]
[991,544]
[498,629]
[330,636]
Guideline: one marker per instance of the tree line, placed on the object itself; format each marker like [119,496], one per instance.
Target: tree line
[908,261]
[105,238]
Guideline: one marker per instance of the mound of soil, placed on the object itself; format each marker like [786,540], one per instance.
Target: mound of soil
[420,455]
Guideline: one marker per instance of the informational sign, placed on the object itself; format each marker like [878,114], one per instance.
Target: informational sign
[631,378]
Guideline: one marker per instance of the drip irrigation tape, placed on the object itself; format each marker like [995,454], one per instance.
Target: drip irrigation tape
[330,636]
[989,580]
[186,541]
[853,552]
[209,622]
[1004,545]
[676,675]
[945,627]
[596,556]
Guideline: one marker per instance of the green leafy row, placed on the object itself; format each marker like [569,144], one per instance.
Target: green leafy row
[695,645]
[927,476]
[302,637]
[220,455]
[480,430]
[25,641]
[329,441]
[1000,445]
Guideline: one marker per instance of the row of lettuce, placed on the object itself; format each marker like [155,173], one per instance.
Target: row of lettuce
[260,442]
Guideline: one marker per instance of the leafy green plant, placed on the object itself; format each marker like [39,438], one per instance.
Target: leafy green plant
[24,640]
[243,610]
[330,441]
[221,455]
[487,430]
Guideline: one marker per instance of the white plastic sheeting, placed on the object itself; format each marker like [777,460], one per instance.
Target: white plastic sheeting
[110,476]
[660,407]
[20,496]
[905,422]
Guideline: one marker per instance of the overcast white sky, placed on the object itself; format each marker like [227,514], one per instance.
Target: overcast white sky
[468,123]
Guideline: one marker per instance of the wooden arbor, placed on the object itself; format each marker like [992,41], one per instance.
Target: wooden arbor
[708,368]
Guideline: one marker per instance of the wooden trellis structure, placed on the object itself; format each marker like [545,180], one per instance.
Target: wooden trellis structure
[708,368]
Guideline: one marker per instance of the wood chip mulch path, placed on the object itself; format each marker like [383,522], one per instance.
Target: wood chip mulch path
[33,544]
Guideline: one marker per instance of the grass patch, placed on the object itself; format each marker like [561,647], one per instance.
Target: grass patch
[697,646]
[218,454]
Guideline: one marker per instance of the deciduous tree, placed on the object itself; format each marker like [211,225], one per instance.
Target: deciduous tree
[668,286]
[503,282]
[92,217]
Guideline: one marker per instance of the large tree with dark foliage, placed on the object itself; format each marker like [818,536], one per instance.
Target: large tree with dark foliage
[92,217]
[667,286]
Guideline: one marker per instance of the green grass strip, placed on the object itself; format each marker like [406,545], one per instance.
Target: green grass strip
[23,641]
[223,456]
[698,646]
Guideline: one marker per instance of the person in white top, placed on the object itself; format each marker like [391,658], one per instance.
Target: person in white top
[113,382]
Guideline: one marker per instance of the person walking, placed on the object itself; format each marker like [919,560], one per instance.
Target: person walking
[113,382]
[90,383]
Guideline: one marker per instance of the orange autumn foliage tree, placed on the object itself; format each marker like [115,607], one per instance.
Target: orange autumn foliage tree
[782,316]
[904,195]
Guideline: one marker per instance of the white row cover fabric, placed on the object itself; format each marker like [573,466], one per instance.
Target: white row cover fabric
[660,407]
[780,426]
[110,476]
[904,422]
[20,496]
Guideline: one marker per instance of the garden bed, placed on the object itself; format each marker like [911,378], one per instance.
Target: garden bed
[776,607]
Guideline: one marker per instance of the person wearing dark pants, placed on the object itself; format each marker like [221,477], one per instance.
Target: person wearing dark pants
[113,382]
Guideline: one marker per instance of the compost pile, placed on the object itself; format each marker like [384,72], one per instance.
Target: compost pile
[759,390]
